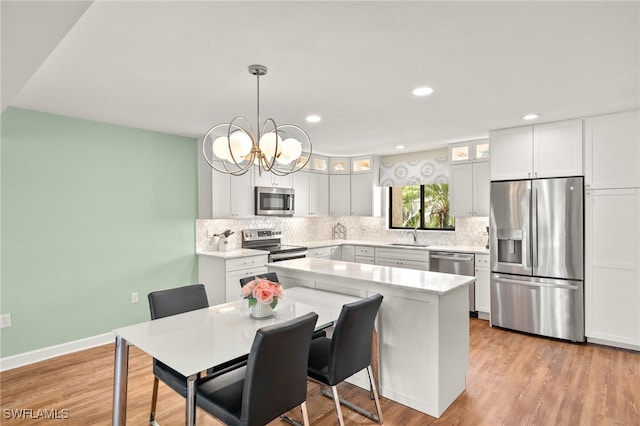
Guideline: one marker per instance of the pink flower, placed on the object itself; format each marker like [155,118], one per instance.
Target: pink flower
[264,293]
[247,289]
[262,290]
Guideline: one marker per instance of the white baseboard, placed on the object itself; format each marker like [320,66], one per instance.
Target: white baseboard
[20,360]
[614,344]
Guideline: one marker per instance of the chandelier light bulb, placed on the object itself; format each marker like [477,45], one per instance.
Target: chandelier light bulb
[221,148]
[291,150]
[241,144]
[268,145]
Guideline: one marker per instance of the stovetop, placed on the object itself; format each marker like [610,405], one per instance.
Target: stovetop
[268,240]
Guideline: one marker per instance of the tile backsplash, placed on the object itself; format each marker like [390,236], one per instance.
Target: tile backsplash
[470,231]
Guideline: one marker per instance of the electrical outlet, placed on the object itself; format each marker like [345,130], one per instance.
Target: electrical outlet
[134,297]
[5,320]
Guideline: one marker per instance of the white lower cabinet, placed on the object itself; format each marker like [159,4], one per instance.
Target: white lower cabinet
[402,258]
[365,254]
[483,291]
[348,253]
[325,252]
[612,267]
[211,268]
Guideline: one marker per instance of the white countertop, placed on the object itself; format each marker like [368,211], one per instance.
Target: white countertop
[411,279]
[240,252]
[458,249]
[233,253]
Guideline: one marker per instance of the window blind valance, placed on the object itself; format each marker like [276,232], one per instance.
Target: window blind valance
[418,172]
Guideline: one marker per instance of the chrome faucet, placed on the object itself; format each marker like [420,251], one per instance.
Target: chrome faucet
[414,234]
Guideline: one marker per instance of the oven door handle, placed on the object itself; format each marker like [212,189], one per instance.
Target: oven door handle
[285,256]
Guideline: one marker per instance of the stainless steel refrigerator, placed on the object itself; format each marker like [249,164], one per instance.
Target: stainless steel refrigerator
[537,256]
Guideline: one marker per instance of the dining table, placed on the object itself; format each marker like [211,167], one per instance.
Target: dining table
[195,341]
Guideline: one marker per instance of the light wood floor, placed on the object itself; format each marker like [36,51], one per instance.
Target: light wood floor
[514,379]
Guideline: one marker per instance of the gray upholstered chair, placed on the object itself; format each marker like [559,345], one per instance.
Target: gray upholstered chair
[175,301]
[332,360]
[273,382]
[271,276]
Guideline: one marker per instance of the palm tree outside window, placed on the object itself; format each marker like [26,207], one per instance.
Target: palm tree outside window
[420,207]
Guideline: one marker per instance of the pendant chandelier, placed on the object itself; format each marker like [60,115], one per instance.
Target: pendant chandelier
[234,148]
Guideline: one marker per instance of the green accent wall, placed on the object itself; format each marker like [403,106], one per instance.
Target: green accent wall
[91,212]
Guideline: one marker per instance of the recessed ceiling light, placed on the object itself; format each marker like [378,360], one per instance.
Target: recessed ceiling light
[313,118]
[399,146]
[422,91]
[531,116]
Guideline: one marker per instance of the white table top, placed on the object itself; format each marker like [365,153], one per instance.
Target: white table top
[411,279]
[194,341]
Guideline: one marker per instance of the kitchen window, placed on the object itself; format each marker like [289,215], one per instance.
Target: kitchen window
[420,206]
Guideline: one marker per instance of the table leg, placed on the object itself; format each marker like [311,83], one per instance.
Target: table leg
[120,372]
[191,400]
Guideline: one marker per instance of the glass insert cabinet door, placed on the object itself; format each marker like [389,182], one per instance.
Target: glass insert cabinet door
[477,150]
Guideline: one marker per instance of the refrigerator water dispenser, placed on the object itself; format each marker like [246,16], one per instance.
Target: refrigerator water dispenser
[510,246]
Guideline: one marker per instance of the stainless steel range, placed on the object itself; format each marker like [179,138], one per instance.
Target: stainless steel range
[271,240]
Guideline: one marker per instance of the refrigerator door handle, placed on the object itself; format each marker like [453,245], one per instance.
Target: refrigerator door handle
[535,283]
[534,229]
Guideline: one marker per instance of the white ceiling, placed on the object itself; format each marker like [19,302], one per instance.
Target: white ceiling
[180,67]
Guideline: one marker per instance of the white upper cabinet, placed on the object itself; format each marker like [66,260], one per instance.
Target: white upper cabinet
[461,190]
[312,194]
[231,196]
[481,189]
[463,152]
[469,188]
[339,166]
[339,195]
[545,150]
[557,149]
[318,194]
[362,187]
[269,179]
[469,181]
[511,153]
[612,150]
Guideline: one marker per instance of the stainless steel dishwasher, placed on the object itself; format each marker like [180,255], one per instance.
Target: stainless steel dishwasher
[455,263]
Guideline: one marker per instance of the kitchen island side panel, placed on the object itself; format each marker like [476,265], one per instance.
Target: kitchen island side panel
[423,337]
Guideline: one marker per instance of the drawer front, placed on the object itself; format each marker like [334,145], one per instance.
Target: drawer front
[482,260]
[407,264]
[246,262]
[365,259]
[365,251]
[319,252]
[403,254]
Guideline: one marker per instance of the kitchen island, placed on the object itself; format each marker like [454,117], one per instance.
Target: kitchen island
[423,325]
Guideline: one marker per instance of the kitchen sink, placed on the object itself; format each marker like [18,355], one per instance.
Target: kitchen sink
[408,245]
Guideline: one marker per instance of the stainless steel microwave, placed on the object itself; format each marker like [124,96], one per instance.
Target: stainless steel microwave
[274,201]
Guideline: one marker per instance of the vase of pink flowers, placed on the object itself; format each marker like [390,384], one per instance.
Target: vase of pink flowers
[263,296]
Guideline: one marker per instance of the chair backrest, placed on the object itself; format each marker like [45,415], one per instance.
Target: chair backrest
[276,377]
[271,276]
[351,340]
[178,300]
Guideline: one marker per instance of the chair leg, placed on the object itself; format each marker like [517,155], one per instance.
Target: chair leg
[305,415]
[154,400]
[336,400]
[375,393]
[354,407]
